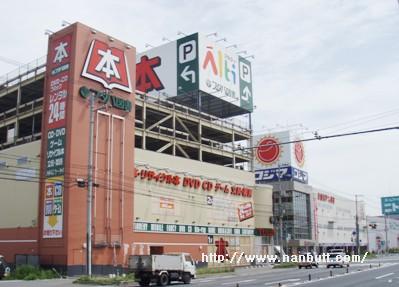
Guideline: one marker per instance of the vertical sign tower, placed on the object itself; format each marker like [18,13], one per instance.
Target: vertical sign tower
[81,62]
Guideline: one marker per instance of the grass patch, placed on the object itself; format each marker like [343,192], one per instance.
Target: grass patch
[285,265]
[29,272]
[103,280]
[370,255]
[214,270]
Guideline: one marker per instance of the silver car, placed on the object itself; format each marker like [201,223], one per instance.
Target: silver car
[333,261]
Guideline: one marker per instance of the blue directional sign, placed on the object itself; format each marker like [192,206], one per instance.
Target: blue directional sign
[390,205]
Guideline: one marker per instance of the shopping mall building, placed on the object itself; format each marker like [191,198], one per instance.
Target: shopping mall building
[169,171]
[306,218]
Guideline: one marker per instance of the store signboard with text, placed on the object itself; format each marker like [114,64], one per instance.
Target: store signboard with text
[195,63]
[279,156]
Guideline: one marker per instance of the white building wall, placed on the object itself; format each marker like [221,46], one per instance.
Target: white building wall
[335,220]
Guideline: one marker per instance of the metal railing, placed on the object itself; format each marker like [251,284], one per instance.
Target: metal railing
[23,73]
[163,101]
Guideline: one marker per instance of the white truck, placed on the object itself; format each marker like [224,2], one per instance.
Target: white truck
[162,269]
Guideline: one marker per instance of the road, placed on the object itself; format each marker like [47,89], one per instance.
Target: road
[383,272]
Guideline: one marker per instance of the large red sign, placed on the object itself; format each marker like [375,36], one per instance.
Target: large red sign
[192,182]
[299,151]
[268,150]
[107,65]
[326,198]
[58,77]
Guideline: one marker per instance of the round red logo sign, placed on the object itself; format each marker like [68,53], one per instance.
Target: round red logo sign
[299,153]
[268,150]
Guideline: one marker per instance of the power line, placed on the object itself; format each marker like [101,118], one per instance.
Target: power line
[318,137]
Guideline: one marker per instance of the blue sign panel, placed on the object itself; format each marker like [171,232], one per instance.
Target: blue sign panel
[390,205]
[281,173]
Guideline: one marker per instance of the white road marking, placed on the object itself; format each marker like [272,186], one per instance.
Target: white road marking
[235,282]
[282,281]
[225,277]
[382,276]
[203,281]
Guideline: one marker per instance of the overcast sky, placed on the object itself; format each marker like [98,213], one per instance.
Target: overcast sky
[331,66]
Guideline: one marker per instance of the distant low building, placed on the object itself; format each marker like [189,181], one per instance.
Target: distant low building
[335,221]
[377,236]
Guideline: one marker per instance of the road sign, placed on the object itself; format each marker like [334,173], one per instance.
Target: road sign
[390,205]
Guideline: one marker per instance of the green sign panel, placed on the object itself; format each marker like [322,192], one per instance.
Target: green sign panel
[55,152]
[390,205]
[181,228]
[105,98]
[187,64]
[246,101]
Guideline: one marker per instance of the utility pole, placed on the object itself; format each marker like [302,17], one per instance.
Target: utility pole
[90,187]
[357,229]
[386,235]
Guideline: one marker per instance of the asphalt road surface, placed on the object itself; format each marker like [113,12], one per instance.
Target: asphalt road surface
[383,272]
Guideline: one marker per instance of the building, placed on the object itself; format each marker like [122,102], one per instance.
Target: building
[335,218]
[167,170]
[279,160]
[383,233]
[305,217]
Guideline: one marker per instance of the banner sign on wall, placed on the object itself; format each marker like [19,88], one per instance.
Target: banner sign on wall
[53,207]
[57,79]
[181,228]
[245,211]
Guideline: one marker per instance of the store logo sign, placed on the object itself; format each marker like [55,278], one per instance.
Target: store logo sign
[60,52]
[106,98]
[221,65]
[268,151]
[107,65]
[147,79]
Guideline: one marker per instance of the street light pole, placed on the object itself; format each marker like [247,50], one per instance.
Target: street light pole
[357,229]
[386,234]
[280,210]
[90,187]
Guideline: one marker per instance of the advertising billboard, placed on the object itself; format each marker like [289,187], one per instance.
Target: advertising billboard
[192,67]
[281,156]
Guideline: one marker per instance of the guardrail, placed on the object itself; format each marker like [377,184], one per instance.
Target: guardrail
[23,73]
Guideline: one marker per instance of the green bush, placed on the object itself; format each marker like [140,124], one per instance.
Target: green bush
[102,280]
[29,272]
[210,270]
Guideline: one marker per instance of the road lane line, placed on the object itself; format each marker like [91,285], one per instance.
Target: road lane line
[282,281]
[235,282]
[345,274]
[382,276]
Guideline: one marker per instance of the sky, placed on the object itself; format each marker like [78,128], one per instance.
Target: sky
[326,66]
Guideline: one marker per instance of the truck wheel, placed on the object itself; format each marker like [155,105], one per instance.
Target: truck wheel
[186,278]
[163,280]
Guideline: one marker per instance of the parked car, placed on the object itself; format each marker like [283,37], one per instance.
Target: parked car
[162,269]
[310,263]
[336,261]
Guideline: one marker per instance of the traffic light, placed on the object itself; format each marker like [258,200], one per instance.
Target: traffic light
[373,225]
